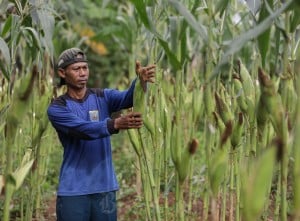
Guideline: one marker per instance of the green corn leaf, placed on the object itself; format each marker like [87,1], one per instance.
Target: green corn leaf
[171,56]
[295,18]
[4,50]
[35,40]
[238,42]
[141,9]
[4,71]
[47,22]
[174,26]
[191,20]
[7,25]
[221,6]
[264,38]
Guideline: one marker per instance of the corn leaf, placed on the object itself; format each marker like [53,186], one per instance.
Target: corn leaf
[47,23]
[238,42]
[7,25]
[200,29]
[264,38]
[35,41]
[171,56]
[221,6]
[141,9]
[295,18]
[5,51]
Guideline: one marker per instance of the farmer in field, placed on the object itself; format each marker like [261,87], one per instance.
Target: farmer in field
[82,118]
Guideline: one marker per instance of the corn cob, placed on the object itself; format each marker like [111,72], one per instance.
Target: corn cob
[197,97]
[248,89]
[149,124]
[237,131]
[219,123]
[256,182]
[218,169]
[247,82]
[19,106]
[20,173]
[223,109]
[185,161]
[240,95]
[208,102]
[271,100]
[139,95]
[166,123]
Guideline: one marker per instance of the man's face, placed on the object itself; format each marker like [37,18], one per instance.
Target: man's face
[76,75]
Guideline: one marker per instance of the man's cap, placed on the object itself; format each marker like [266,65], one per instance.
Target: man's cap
[71,56]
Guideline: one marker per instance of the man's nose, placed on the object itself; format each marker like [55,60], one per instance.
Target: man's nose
[82,72]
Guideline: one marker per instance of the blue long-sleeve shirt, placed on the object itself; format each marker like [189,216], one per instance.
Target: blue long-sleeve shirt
[84,128]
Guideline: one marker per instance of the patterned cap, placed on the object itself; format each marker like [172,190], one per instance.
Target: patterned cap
[71,56]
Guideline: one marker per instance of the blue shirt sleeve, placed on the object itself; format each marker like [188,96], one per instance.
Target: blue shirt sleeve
[64,121]
[118,100]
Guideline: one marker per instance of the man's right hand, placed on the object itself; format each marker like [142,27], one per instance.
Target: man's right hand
[129,121]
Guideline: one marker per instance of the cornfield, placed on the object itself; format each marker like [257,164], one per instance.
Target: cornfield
[219,140]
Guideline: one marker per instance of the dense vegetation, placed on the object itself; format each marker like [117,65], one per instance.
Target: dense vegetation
[221,122]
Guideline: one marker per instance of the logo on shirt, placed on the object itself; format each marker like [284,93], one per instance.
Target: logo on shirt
[94,115]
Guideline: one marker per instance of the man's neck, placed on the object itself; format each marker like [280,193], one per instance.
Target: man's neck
[77,94]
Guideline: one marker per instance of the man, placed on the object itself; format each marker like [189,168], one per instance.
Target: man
[82,118]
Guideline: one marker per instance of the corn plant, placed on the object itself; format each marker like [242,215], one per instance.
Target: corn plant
[253,107]
[25,45]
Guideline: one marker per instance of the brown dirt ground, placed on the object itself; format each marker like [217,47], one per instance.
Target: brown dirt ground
[127,207]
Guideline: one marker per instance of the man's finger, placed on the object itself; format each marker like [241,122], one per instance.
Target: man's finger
[151,67]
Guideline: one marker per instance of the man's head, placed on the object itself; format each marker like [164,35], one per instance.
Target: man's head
[73,68]
[70,56]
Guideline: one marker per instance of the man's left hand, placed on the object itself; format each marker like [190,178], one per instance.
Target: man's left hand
[147,73]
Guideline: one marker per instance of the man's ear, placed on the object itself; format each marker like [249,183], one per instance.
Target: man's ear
[61,73]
